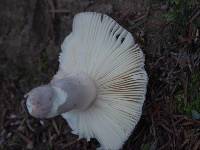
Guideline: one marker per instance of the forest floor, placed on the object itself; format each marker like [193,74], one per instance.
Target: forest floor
[31,32]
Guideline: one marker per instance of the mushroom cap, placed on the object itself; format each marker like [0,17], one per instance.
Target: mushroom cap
[107,52]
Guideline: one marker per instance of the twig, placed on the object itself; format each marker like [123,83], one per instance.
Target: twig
[166,128]
[164,146]
[3,118]
[27,140]
[29,126]
[197,145]
[55,127]
[70,143]
[184,143]
[138,135]
[179,121]
[194,16]
[140,20]
[51,4]
[59,11]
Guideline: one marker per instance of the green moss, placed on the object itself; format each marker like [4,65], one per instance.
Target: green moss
[145,146]
[194,97]
[180,12]
[188,107]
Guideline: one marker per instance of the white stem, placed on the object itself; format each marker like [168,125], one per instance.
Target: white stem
[79,89]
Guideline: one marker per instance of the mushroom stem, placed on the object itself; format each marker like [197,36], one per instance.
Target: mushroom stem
[80,92]
[74,92]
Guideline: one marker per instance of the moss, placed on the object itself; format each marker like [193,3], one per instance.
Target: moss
[180,13]
[145,146]
[189,107]
[194,100]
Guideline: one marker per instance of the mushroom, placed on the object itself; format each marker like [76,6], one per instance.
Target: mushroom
[100,85]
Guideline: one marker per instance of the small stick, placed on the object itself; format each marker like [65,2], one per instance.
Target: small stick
[55,127]
[59,11]
[70,143]
[195,15]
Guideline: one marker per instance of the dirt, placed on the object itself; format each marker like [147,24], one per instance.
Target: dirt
[31,32]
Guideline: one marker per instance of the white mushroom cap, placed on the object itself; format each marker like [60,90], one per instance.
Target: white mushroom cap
[101,48]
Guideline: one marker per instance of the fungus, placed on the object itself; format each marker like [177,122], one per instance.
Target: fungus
[100,85]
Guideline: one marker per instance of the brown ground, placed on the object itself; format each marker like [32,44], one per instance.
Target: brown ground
[31,32]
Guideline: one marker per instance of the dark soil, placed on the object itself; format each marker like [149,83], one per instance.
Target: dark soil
[31,32]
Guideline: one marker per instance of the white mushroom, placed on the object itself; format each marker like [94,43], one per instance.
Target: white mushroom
[100,85]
